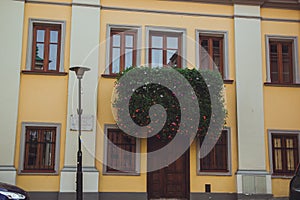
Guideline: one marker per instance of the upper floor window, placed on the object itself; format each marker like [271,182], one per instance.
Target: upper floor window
[120,152]
[285,153]
[217,160]
[45,51]
[281,61]
[40,148]
[46,47]
[123,54]
[165,49]
[211,52]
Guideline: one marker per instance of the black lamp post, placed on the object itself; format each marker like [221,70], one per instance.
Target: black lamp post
[79,183]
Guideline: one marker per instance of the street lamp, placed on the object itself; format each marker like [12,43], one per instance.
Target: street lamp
[79,73]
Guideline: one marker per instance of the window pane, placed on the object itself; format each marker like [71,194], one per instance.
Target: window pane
[274,63]
[47,150]
[53,57]
[32,157]
[40,35]
[172,57]
[286,64]
[204,44]
[33,136]
[277,153]
[116,40]
[118,159]
[39,58]
[290,154]
[53,36]
[278,160]
[157,42]
[116,60]
[216,54]
[204,58]
[128,58]
[157,58]
[290,160]
[277,143]
[129,41]
[32,149]
[172,42]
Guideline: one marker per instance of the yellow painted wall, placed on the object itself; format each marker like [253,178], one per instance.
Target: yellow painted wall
[43,98]
[157,5]
[279,13]
[280,103]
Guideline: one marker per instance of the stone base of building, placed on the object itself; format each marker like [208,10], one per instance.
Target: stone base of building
[232,196]
[68,177]
[88,196]
[8,174]
[143,196]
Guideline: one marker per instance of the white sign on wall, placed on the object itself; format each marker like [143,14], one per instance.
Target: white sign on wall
[87,122]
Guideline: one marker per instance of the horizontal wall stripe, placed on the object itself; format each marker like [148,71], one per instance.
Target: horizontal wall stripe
[281,20]
[74,169]
[61,3]
[247,17]
[48,3]
[7,168]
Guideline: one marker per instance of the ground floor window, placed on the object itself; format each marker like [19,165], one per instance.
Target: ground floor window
[217,159]
[40,148]
[120,152]
[285,153]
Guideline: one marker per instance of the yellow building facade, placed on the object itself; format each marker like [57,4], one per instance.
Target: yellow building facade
[253,43]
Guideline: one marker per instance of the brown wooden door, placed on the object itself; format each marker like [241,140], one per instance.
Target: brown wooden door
[171,181]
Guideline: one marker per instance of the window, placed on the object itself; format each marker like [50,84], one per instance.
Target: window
[46,47]
[285,153]
[217,159]
[45,52]
[165,49]
[120,152]
[39,148]
[211,52]
[123,54]
[281,61]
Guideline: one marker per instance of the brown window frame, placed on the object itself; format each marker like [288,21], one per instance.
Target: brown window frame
[283,153]
[120,139]
[123,33]
[47,28]
[38,167]
[279,58]
[214,154]
[210,51]
[164,48]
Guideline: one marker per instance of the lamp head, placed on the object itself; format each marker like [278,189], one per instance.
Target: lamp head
[79,71]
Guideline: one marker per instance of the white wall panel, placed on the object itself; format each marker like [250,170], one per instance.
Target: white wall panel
[11,20]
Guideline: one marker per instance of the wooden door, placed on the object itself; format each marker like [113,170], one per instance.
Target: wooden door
[171,181]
